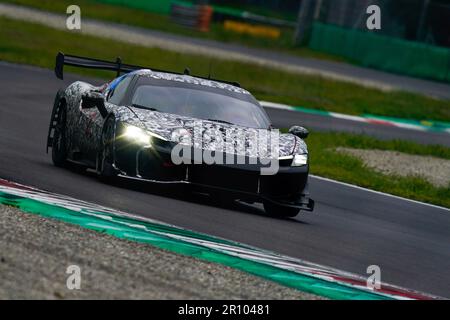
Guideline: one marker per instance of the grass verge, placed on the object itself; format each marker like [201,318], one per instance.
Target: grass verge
[35,44]
[144,19]
[327,162]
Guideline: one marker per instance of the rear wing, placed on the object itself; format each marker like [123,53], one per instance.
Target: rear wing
[90,63]
[116,66]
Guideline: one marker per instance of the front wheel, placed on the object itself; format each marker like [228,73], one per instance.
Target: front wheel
[105,157]
[59,144]
[280,211]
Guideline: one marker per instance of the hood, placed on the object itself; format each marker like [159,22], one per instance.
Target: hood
[164,124]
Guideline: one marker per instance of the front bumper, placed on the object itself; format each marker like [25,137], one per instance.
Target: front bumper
[288,187]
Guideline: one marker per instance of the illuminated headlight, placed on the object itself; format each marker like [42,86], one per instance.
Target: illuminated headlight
[137,135]
[300,160]
[182,136]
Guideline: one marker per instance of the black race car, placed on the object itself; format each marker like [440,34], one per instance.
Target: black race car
[174,128]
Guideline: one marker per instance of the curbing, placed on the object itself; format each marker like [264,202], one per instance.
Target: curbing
[301,275]
[421,125]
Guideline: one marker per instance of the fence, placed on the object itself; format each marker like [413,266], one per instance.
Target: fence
[382,52]
[158,6]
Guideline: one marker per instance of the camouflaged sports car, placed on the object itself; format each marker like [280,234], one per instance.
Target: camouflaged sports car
[132,126]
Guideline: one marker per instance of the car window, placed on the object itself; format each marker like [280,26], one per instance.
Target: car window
[119,89]
[202,104]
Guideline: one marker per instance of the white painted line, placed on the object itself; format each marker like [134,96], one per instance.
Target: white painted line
[347,117]
[274,105]
[409,126]
[231,248]
[378,192]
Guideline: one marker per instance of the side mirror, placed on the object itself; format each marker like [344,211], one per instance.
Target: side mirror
[94,100]
[299,132]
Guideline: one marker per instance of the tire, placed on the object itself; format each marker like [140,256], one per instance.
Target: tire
[59,144]
[105,156]
[280,211]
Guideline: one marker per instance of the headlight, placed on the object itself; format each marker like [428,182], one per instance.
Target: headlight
[137,135]
[182,136]
[300,160]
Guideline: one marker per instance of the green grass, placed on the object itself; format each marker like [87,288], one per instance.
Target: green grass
[327,162]
[144,19]
[35,44]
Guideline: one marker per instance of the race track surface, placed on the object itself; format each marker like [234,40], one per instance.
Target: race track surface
[350,229]
[286,119]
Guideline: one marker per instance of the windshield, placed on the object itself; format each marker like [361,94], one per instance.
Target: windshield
[201,103]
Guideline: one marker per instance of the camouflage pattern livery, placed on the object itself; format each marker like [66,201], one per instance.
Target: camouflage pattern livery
[84,126]
[101,128]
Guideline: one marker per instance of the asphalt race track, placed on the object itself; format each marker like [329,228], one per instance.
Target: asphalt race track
[285,119]
[350,229]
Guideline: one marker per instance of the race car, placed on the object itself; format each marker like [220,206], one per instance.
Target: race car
[165,127]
